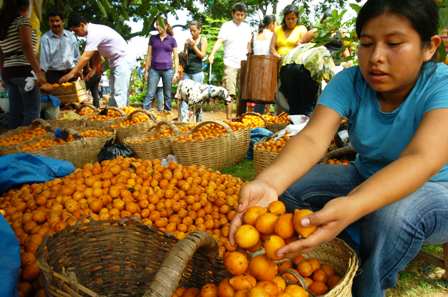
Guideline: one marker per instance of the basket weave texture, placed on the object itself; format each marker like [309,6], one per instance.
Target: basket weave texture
[214,153]
[155,149]
[263,158]
[125,258]
[343,259]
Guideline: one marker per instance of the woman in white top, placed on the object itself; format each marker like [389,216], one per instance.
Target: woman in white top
[263,42]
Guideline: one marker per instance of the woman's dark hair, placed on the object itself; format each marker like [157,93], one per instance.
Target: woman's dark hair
[10,10]
[267,20]
[422,14]
[195,23]
[239,7]
[287,10]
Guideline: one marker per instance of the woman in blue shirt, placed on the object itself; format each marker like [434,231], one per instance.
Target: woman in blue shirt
[397,188]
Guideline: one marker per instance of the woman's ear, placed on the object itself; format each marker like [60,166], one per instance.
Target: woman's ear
[432,47]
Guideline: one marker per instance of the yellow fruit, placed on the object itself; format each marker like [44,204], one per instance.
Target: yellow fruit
[225,289]
[242,282]
[251,215]
[296,291]
[246,236]
[258,292]
[277,208]
[262,268]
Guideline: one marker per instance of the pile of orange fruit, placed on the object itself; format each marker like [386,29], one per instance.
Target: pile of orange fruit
[164,132]
[22,136]
[235,125]
[176,199]
[273,119]
[134,120]
[205,132]
[256,270]
[253,121]
[87,110]
[273,145]
[337,162]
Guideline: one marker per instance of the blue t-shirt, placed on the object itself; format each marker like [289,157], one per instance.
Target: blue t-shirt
[380,137]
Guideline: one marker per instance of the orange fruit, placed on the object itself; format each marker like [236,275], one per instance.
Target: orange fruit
[277,207]
[209,290]
[269,287]
[272,245]
[262,268]
[305,268]
[225,289]
[258,292]
[265,223]
[242,282]
[251,215]
[333,280]
[284,226]
[298,215]
[318,288]
[328,269]
[296,291]
[319,276]
[236,263]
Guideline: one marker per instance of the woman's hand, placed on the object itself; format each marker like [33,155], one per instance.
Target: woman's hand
[336,215]
[41,79]
[255,193]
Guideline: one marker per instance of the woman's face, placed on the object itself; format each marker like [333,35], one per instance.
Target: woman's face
[161,29]
[291,20]
[391,55]
[271,26]
[195,31]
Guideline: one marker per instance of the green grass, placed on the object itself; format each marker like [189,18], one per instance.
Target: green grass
[420,279]
[244,170]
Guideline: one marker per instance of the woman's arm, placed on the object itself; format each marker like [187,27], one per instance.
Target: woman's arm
[176,59]
[27,46]
[425,155]
[148,61]
[200,52]
[308,36]
[273,49]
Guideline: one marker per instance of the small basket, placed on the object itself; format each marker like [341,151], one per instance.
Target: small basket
[262,158]
[97,124]
[344,261]
[125,258]
[139,128]
[215,153]
[155,149]
[254,114]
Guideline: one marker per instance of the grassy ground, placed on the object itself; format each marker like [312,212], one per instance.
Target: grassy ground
[420,279]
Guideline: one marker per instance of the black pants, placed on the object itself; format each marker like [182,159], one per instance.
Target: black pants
[93,86]
[299,89]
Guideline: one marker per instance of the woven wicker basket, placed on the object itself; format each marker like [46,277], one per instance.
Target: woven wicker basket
[79,152]
[86,106]
[254,114]
[125,258]
[155,149]
[92,123]
[262,158]
[215,153]
[240,145]
[344,261]
[137,129]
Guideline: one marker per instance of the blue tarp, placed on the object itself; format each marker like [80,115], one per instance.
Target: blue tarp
[9,260]
[21,168]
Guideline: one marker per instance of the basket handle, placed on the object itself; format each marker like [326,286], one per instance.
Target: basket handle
[122,113]
[170,272]
[149,114]
[83,105]
[205,123]
[165,123]
[300,280]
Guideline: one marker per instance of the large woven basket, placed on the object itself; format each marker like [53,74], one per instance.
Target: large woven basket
[215,153]
[139,128]
[106,123]
[79,152]
[263,158]
[275,127]
[344,261]
[152,149]
[125,258]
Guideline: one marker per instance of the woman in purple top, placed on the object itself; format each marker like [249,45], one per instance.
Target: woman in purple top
[159,60]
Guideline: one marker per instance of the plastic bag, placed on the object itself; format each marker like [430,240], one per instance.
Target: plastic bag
[114,148]
[256,135]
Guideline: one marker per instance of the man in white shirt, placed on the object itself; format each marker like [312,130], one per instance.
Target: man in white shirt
[109,44]
[59,50]
[235,35]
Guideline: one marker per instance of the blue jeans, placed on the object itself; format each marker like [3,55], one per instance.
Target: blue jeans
[159,98]
[119,81]
[154,76]
[24,107]
[183,116]
[392,236]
